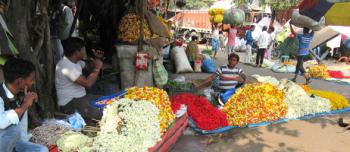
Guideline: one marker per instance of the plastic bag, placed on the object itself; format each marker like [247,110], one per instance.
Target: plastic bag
[179,113]
[224,96]
[207,94]
[76,122]
[198,66]
[209,66]
[180,78]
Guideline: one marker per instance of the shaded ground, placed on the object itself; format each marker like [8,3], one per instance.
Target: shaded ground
[318,134]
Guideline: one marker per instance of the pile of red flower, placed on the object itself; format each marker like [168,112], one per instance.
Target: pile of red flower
[202,112]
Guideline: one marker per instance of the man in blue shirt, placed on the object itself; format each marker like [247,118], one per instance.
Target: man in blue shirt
[250,43]
[303,51]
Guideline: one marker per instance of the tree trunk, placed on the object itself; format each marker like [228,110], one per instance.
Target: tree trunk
[29,23]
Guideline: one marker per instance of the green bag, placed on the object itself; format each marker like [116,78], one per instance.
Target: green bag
[160,74]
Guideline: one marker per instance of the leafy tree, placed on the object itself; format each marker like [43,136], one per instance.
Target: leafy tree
[281,4]
[275,4]
[193,4]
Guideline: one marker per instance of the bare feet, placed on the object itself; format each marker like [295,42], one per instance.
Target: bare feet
[308,80]
[294,80]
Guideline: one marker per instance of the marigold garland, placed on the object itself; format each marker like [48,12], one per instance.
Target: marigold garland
[159,98]
[337,101]
[255,103]
[319,71]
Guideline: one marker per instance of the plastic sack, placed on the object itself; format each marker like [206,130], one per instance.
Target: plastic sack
[234,16]
[304,21]
[280,68]
[209,66]
[182,64]
[76,121]
[198,66]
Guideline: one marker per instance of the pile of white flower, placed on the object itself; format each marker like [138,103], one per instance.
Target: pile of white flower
[298,102]
[137,130]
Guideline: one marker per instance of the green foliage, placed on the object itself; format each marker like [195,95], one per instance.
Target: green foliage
[198,4]
[281,4]
[194,4]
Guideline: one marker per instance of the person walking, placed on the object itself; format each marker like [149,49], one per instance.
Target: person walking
[231,37]
[271,45]
[215,42]
[303,50]
[250,44]
[263,42]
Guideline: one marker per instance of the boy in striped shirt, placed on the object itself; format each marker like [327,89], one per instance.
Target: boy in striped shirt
[229,75]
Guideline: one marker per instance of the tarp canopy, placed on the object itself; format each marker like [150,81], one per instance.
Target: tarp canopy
[334,13]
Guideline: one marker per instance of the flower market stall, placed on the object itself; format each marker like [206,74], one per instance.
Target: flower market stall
[268,102]
[137,119]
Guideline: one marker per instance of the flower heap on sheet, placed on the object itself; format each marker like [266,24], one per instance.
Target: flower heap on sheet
[137,130]
[202,112]
[259,102]
[299,103]
[319,72]
[159,98]
[337,101]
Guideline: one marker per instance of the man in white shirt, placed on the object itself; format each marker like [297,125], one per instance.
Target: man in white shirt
[271,46]
[263,42]
[19,75]
[71,83]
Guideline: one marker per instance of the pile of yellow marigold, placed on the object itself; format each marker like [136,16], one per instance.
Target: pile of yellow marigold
[319,71]
[258,102]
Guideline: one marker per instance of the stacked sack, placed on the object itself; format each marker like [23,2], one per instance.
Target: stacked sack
[304,21]
[234,16]
[216,15]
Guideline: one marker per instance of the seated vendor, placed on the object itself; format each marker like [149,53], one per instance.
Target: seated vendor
[71,83]
[230,76]
[19,75]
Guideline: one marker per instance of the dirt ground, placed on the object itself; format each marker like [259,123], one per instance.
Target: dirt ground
[316,135]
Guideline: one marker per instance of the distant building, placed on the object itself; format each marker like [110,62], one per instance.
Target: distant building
[193,20]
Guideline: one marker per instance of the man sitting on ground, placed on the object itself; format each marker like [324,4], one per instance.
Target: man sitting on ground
[230,76]
[19,76]
[71,83]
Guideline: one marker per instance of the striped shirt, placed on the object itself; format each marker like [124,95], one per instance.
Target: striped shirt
[228,72]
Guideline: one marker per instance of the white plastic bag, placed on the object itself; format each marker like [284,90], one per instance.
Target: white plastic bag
[181,62]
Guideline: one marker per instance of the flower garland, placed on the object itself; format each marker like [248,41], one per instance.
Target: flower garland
[337,101]
[138,130]
[319,71]
[204,114]
[299,103]
[254,103]
[159,98]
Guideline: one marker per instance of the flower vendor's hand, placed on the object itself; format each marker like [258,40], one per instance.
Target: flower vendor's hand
[98,64]
[97,53]
[195,84]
